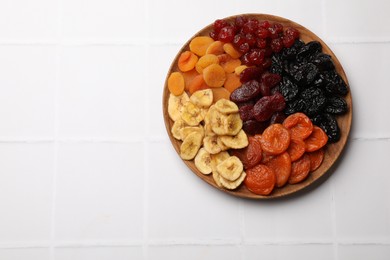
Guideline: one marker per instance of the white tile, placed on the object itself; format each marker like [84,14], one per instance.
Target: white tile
[158,67]
[362,252]
[99,192]
[293,252]
[25,254]
[26,192]
[362,193]
[99,253]
[24,19]
[102,19]
[193,252]
[297,11]
[182,206]
[365,19]
[366,68]
[27,92]
[306,217]
[102,92]
[179,26]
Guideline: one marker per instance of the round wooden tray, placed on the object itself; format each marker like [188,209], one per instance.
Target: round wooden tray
[332,152]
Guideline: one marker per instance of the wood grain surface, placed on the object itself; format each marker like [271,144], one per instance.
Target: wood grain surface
[332,152]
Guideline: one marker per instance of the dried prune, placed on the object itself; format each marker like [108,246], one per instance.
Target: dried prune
[305,74]
[290,53]
[253,127]
[332,83]
[296,105]
[336,105]
[249,90]
[314,99]
[263,109]
[288,89]
[329,124]
[323,62]
[246,112]
[308,51]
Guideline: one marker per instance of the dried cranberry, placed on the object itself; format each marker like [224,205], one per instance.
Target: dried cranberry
[277,45]
[244,48]
[219,24]
[267,63]
[275,30]
[240,21]
[213,35]
[277,118]
[261,43]
[262,33]
[226,34]
[265,24]
[265,90]
[250,39]
[256,56]
[292,32]
[250,74]
[253,127]
[250,26]
[271,79]
[288,41]
[268,52]
[239,39]
[278,102]
[249,90]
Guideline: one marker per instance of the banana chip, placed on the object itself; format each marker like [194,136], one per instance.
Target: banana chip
[231,168]
[203,161]
[231,185]
[226,106]
[190,146]
[175,105]
[177,127]
[202,98]
[236,142]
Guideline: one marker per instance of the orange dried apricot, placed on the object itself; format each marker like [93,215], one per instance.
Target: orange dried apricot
[214,76]
[299,125]
[197,84]
[316,140]
[228,63]
[176,83]
[275,139]
[299,169]
[215,48]
[296,149]
[206,61]
[220,93]
[187,61]
[229,49]
[260,179]
[281,165]
[232,82]
[250,155]
[199,44]
[316,159]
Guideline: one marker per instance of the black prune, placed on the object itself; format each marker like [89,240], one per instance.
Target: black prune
[315,100]
[308,51]
[323,62]
[296,105]
[328,123]
[332,83]
[288,89]
[305,74]
[249,90]
[336,105]
[290,53]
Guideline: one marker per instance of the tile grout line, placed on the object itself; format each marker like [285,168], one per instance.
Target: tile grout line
[56,130]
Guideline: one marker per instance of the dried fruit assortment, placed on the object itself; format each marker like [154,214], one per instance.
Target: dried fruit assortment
[254,105]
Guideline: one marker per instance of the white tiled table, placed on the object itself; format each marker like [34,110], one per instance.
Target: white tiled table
[87,170]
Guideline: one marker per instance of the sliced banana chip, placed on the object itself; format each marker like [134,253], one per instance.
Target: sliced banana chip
[236,142]
[233,124]
[186,130]
[231,185]
[218,122]
[190,146]
[221,144]
[175,105]
[226,106]
[231,168]
[177,126]
[202,98]
[191,114]
[203,161]
[210,143]
[217,159]
[217,178]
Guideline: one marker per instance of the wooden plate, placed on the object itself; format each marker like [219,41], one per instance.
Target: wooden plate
[333,151]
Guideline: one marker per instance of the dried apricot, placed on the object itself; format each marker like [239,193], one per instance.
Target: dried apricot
[275,139]
[187,61]
[281,165]
[232,82]
[316,159]
[196,84]
[220,93]
[228,63]
[316,140]
[250,155]
[299,169]
[214,76]
[206,61]
[296,149]
[199,44]
[260,179]
[229,49]
[176,83]
[299,124]
[215,48]
[188,77]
